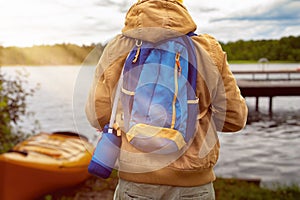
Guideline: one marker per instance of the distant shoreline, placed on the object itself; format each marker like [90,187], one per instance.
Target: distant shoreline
[95,63]
[58,65]
[55,55]
[284,50]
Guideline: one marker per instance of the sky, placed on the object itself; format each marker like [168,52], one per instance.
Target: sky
[36,22]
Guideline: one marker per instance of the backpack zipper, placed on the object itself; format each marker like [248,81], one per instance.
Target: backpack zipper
[138,43]
[177,71]
[177,59]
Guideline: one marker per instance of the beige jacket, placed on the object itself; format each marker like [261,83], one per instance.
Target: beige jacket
[222,108]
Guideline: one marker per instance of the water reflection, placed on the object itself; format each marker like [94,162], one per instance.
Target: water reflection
[266,149]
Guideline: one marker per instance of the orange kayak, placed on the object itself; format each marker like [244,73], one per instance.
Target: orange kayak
[44,163]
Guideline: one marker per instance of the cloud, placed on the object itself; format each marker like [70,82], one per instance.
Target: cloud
[56,21]
[268,20]
[121,5]
[284,11]
[201,9]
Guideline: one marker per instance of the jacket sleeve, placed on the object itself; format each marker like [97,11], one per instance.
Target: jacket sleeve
[229,107]
[99,103]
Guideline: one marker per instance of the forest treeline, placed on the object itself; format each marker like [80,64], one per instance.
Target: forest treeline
[59,54]
[284,49]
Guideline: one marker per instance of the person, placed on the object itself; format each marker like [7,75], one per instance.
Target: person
[221,106]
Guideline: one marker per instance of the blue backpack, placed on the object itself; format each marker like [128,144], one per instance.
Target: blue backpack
[158,95]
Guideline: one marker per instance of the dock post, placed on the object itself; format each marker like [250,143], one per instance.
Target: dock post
[270,105]
[256,103]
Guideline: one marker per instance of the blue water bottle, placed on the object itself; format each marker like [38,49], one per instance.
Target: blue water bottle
[106,153]
[108,148]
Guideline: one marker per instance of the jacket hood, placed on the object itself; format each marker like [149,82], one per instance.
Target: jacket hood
[156,20]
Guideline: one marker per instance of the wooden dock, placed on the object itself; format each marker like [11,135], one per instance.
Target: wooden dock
[269,87]
[287,72]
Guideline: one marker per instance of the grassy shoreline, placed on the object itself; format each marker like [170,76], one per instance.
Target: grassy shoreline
[225,188]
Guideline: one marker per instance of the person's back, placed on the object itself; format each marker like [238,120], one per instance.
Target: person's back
[189,174]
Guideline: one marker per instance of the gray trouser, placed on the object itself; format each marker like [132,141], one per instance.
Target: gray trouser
[138,191]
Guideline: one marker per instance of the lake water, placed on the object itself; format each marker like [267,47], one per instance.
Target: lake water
[268,148]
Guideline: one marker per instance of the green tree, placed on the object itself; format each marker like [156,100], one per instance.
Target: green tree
[285,49]
[13,104]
